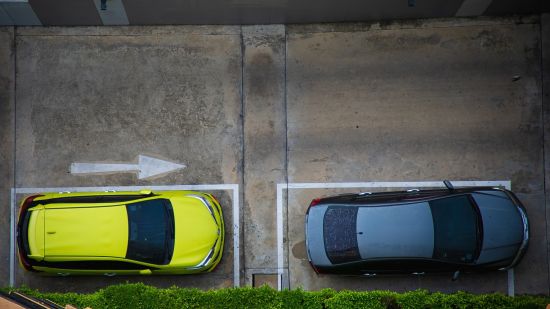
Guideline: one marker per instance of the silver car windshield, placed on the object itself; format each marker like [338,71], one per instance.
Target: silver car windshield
[455,229]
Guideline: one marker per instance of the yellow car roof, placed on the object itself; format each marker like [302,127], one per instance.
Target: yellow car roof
[86,231]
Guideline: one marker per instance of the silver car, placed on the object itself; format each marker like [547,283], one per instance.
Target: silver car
[416,232]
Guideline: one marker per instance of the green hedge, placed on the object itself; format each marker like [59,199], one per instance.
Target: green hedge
[138,295]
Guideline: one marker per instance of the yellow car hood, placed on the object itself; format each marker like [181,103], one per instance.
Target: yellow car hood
[97,231]
[196,231]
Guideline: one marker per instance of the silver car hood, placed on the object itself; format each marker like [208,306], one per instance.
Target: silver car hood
[502,226]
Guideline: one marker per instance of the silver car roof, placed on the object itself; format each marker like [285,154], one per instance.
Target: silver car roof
[401,231]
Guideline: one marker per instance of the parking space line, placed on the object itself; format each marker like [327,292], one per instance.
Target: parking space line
[511,283]
[280,251]
[236,237]
[214,187]
[12,237]
[398,184]
[284,278]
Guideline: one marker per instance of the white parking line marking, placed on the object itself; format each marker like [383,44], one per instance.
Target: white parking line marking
[206,187]
[12,237]
[511,283]
[280,257]
[372,184]
[236,241]
[397,184]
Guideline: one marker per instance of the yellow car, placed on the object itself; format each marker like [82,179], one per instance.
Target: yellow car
[120,233]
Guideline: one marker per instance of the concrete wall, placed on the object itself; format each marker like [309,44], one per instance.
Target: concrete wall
[261,105]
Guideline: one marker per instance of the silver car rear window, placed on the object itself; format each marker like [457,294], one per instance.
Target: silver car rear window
[340,234]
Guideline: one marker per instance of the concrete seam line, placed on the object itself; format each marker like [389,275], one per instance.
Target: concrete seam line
[371,184]
[235,197]
[243,141]
[543,21]
[14,171]
[287,150]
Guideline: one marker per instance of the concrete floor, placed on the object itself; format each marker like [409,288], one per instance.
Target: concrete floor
[257,106]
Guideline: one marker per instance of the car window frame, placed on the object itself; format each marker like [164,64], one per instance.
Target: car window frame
[121,265]
[93,199]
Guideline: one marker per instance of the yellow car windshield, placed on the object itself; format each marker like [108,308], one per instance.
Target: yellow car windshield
[151,231]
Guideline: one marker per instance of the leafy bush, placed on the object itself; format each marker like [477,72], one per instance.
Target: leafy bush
[139,295]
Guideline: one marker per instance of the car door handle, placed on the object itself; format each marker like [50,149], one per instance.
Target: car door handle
[109,274]
[369,274]
[364,193]
[419,273]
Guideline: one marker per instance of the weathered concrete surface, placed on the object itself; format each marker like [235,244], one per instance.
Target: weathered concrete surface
[404,101]
[265,142]
[418,104]
[7,127]
[545,43]
[87,98]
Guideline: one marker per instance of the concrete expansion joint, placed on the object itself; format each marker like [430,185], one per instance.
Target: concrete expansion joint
[413,24]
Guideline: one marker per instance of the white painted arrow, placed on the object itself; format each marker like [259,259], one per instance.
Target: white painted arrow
[146,167]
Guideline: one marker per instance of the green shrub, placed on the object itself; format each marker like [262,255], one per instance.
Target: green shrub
[139,295]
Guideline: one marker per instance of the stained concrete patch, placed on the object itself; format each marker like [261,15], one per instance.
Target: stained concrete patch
[259,280]
[265,141]
[299,250]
